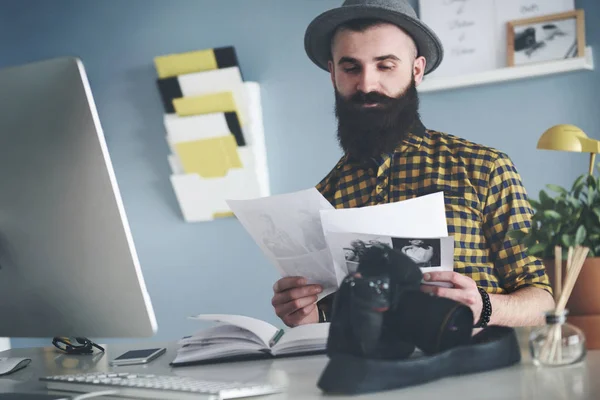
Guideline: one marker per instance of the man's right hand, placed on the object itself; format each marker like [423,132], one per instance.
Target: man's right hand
[295,302]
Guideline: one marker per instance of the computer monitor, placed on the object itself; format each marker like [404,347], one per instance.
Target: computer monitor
[68,264]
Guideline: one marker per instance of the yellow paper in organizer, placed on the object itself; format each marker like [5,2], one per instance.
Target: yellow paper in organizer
[184,63]
[209,158]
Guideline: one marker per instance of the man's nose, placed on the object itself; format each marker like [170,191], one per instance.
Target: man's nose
[368,82]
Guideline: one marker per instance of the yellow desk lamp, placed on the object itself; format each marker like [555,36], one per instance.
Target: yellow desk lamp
[569,138]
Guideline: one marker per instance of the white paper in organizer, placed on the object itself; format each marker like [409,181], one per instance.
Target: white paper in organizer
[255,137]
[200,198]
[215,81]
[195,127]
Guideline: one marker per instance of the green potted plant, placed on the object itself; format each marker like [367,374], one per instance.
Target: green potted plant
[567,219]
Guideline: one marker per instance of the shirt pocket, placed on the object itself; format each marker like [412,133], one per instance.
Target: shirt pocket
[464,219]
[462,202]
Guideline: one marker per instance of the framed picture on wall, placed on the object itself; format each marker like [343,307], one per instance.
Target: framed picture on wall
[547,38]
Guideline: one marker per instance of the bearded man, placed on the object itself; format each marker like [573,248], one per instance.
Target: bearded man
[377,53]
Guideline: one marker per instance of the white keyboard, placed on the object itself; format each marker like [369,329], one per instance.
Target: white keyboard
[145,386]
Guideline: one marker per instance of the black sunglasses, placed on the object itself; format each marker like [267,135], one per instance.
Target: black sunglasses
[76,345]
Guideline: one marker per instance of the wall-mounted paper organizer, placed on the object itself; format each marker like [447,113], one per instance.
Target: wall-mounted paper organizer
[214,129]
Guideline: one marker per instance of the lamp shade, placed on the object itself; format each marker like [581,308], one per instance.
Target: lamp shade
[567,137]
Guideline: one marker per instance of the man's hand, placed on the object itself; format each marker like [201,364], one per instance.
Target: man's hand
[295,302]
[464,290]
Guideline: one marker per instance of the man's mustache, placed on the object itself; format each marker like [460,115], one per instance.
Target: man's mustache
[361,98]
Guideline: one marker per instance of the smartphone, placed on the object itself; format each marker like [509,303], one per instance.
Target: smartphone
[141,356]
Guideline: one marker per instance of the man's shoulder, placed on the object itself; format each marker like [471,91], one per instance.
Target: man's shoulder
[326,185]
[443,142]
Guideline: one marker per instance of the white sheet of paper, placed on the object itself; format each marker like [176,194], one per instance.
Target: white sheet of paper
[346,249]
[288,230]
[423,217]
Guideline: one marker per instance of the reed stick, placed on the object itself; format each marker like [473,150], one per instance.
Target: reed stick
[572,274]
[557,272]
[558,279]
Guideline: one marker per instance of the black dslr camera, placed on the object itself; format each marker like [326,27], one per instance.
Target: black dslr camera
[379,312]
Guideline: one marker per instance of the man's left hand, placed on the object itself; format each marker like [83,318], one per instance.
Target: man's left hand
[464,290]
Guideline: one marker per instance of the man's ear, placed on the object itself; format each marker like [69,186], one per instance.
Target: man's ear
[419,69]
[331,68]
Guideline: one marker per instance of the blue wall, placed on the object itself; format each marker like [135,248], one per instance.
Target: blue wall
[216,267]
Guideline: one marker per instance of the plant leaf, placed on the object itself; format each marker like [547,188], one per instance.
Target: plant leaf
[567,240]
[578,184]
[591,181]
[551,214]
[529,241]
[536,249]
[535,204]
[546,201]
[517,235]
[580,235]
[597,212]
[590,196]
[572,201]
[556,188]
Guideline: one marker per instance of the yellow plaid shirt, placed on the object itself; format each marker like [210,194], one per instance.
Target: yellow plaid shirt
[483,195]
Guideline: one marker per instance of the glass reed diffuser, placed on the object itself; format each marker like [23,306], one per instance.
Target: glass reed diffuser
[559,343]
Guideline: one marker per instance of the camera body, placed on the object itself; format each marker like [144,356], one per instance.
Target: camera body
[525,40]
[379,312]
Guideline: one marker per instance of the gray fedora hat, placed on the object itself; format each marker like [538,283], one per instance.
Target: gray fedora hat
[317,40]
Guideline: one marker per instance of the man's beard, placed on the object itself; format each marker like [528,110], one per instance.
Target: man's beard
[364,133]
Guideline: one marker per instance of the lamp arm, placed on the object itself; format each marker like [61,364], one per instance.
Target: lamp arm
[592,158]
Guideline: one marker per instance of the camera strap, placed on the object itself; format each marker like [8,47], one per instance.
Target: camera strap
[493,348]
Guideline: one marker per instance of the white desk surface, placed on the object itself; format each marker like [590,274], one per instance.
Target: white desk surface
[522,381]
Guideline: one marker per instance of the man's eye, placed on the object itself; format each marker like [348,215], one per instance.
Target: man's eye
[350,70]
[385,67]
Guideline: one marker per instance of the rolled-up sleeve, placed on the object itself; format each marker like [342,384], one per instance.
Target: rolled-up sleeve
[507,208]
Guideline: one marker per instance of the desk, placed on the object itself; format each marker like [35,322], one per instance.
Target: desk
[523,381]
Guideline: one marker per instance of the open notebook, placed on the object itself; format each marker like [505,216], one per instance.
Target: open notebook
[238,337]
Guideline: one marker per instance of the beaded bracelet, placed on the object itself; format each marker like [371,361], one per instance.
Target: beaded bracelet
[486,310]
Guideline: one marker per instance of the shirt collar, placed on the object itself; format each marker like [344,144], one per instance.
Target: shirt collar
[415,136]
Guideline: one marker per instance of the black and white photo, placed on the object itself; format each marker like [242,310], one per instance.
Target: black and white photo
[547,38]
[426,253]
[354,250]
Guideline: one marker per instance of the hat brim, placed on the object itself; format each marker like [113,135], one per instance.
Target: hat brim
[317,40]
